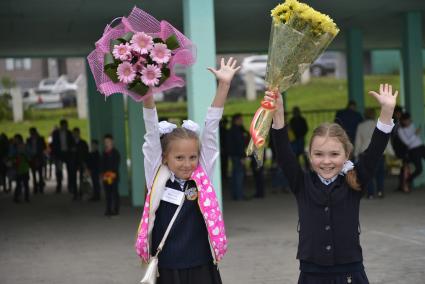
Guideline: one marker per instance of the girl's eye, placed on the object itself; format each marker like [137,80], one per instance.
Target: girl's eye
[193,157]
[179,158]
[335,154]
[318,154]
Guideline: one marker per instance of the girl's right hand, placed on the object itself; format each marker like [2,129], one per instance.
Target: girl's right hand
[279,115]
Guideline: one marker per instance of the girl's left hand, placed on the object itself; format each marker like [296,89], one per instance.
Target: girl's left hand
[227,70]
[385,98]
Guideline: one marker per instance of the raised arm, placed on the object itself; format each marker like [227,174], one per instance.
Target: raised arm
[284,154]
[369,158]
[209,141]
[152,151]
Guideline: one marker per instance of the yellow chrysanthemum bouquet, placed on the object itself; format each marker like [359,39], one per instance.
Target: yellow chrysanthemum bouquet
[299,35]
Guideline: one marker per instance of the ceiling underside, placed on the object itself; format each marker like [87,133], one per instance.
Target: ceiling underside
[70,27]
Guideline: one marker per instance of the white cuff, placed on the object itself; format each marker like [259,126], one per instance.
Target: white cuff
[215,112]
[385,127]
[150,114]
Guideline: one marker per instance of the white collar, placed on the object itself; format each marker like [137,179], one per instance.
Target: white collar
[179,180]
[327,181]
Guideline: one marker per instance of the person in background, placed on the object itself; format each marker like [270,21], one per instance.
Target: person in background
[409,134]
[349,118]
[110,164]
[35,148]
[299,126]
[363,136]
[237,137]
[4,152]
[93,166]
[20,162]
[62,144]
[81,155]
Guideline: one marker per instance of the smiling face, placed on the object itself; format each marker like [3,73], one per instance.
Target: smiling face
[182,157]
[327,156]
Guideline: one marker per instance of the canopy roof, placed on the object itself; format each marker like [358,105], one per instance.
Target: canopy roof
[70,27]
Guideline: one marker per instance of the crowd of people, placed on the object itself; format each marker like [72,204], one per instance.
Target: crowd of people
[87,169]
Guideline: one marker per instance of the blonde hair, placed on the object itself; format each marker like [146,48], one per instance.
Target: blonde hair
[178,133]
[334,130]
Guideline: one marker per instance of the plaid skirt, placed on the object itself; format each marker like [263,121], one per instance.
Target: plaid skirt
[358,277]
[205,274]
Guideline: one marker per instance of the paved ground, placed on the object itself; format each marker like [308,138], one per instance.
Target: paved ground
[54,240]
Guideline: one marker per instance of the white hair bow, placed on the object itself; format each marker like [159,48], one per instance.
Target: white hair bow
[166,127]
[348,166]
[191,125]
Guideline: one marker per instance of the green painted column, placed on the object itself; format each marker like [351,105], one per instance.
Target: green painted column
[107,116]
[201,85]
[98,110]
[413,72]
[117,120]
[136,129]
[355,67]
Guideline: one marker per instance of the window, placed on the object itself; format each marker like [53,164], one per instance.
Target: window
[18,64]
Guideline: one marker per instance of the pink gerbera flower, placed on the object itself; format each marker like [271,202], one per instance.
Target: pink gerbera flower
[126,72]
[122,51]
[160,53]
[141,43]
[151,75]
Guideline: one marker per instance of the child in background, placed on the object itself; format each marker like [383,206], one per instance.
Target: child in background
[110,164]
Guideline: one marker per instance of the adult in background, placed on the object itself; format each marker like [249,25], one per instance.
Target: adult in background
[363,137]
[20,162]
[409,134]
[35,148]
[299,126]
[4,152]
[349,118]
[62,144]
[236,142]
[400,150]
[80,159]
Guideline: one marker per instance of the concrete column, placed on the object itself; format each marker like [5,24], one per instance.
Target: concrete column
[201,85]
[117,120]
[81,93]
[355,67]
[136,129]
[106,115]
[17,104]
[251,92]
[413,73]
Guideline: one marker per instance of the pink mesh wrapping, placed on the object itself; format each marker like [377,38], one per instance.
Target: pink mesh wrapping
[140,21]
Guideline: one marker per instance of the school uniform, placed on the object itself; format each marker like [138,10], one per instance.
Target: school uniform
[329,248]
[186,257]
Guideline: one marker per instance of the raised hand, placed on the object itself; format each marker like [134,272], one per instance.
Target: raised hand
[227,70]
[385,96]
[387,99]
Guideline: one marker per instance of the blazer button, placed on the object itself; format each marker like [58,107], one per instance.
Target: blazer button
[327,227]
[326,209]
[328,247]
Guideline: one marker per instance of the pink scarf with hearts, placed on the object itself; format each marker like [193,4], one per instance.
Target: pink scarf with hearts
[210,210]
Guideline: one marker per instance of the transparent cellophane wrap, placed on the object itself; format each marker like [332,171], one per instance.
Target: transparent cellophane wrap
[291,52]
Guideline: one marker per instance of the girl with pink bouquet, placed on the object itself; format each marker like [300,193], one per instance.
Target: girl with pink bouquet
[178,162]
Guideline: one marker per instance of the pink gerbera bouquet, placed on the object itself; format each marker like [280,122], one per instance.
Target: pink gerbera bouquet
[137,57]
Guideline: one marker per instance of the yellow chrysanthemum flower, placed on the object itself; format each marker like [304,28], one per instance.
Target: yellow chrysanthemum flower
[320,23]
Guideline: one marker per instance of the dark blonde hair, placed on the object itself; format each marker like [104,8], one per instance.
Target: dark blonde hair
[334,130]
[177,133]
